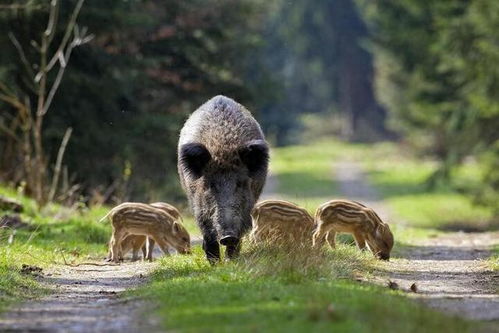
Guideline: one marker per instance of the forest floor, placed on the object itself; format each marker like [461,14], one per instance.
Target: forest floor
[447,269]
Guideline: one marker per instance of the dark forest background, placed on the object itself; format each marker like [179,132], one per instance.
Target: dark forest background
[424,73]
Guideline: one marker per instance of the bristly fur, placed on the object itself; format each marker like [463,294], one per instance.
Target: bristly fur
[282,223]
[132,218]
[348,216]
[222,164]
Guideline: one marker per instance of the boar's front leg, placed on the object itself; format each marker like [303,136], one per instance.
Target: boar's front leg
[211,248]
[232,249]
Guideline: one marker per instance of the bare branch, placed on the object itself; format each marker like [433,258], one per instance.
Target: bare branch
[22,55]
[87,39]
[52,23]
[9,132]
[67,34]
[63,61]
[58,79]
[6,90]
[58,163]
[12,100]
[19,6]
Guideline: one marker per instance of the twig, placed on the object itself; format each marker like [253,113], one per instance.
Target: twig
[92,264]
[9,132]
[15,6]
[64,258]
[57,170]
[57,81]
[11,237]
[32,235]
[52,23]
[67,34]
[22,55]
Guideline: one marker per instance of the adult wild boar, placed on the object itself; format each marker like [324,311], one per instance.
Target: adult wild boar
[222,162]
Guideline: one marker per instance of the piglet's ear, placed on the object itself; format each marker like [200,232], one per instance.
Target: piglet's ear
[193,158]
[255,155]
[176,228]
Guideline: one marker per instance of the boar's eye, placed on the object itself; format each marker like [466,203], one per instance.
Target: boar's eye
[255,156]
[194,157]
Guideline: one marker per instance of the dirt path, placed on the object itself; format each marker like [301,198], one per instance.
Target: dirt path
[448,270]
[85,299]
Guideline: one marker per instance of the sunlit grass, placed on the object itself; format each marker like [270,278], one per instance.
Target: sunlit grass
[190,224]
[401,178]
[53,235]
[494,259]
[13,284]
[444,211]
[305,173]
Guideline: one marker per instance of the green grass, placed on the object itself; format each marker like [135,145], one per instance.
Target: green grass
[190,224]
[494,259]
[305,173]
[14,285]
[55,235]
[272,290]
[400,179]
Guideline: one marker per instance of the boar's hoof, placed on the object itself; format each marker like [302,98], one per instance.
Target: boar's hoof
[229,240]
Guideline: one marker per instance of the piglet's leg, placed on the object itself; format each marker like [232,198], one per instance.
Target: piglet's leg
[144,250]
[319,236]
[135,254]
[117,238]
[110,251]
[163,245]
[149,248]
[360,240]
[331,239]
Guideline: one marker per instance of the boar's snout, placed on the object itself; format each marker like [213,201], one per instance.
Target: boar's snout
[229,240]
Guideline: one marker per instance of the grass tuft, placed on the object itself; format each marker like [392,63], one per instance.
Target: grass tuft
[295,264]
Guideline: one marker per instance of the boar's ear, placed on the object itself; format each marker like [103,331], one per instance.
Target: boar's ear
[255,155]
[194,157]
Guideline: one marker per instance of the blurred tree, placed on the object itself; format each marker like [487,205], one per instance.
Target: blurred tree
[316,50]
[127,93]
[437,75]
